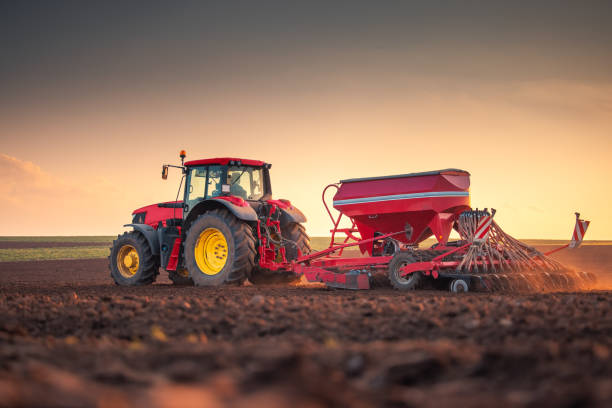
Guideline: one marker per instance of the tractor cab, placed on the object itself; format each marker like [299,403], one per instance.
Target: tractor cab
[226,178]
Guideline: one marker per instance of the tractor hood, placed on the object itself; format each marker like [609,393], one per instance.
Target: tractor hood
[154,213]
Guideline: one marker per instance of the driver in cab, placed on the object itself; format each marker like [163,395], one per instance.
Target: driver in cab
[235,188]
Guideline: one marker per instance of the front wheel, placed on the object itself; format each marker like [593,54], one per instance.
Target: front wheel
[408,282]
[219,248]
[131,262]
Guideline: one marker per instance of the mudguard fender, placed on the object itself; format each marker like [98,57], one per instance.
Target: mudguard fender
[245,213]
[291,214]
[149,233]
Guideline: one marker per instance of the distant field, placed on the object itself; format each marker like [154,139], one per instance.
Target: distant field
[60,239]
[42,254]
[79,252]
[84,251]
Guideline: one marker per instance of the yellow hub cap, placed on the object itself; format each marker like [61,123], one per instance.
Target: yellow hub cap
[211,251]
[127,261]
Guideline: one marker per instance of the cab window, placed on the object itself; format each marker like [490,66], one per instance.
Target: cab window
[196,187]
[245,182]
[215,174]
[203,182]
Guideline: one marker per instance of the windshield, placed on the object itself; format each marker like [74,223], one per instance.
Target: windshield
[245,182]
[203,182]
[207,182]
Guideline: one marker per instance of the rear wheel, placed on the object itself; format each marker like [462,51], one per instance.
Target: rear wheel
[299,240]
[295,233]
[407,282]
[131,262]
[219,248]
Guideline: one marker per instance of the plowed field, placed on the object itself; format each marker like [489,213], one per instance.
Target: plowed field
[69,337]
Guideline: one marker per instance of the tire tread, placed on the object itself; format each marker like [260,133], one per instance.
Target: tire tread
[150,267]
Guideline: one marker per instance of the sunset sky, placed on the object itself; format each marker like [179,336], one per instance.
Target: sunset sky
[95,98]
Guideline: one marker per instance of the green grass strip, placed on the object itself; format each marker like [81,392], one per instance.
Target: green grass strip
[92,252]
[43,254]
[60,239]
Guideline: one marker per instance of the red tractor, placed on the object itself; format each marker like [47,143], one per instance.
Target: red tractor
[226,228]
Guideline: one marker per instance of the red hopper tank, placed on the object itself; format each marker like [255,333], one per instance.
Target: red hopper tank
[425,203]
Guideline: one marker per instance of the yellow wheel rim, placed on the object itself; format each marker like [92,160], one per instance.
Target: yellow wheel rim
[127,261]
[211,251]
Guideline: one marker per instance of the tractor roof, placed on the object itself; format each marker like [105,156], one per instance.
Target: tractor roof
[224,161]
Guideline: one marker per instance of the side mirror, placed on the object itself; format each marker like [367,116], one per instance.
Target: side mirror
[165,172]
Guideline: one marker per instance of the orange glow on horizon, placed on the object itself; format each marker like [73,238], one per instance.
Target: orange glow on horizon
[537,151]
